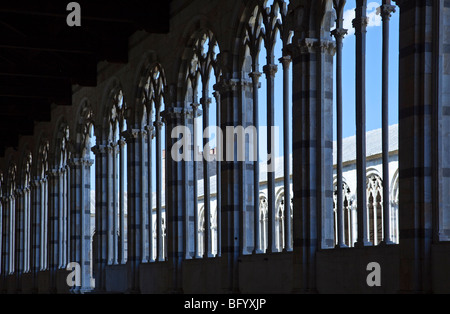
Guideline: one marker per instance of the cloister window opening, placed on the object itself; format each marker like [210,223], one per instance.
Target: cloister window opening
[365,100]
[11,220]
[42,232]
[117,189]
[269,69]
[349,214]
[203,74]
[88,143]
[91,142]
[153,108]
[59,200]
[374,205]
[25,219]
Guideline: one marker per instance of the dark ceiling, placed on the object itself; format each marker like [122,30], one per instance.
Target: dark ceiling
[41,57]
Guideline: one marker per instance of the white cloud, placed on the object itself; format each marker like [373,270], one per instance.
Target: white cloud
[372,13]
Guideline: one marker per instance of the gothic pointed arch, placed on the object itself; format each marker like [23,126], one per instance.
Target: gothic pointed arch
[84,129]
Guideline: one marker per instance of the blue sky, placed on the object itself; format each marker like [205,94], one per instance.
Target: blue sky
[373,69]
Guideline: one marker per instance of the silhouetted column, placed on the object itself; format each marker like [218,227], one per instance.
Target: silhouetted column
[419,129]
[19,248]
[339,34]
[137,206]
[312,150]
[36,210]
[386,10]
[286,61]
[360,24]
[54,226]
[80,236]
[255,76]
[176,214]
[100,249]
[205,102]
[232,206]
[270,71]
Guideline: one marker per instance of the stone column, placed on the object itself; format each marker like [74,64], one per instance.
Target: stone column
[422,176]
[386,10]
[19,247]
[360,24]
[232,206]
[255,76]
[312,155]
[110,201]
[122,230]
[196,112]
[80,214]
[175,193]
[286,61]
[270,71]
[35,259]
[339,34]
[5,241]
[205,103]
[159,188]
[137,210]
[53,226]
[100,249]
[441,68]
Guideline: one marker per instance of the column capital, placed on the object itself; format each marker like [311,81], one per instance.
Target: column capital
[157,125]
[173,113]
[131,134]
[226,85]
[285,61]
[206,102]
[360,23]
[305,46]
[327,46]
[195,112]
[121,143]
[386,11]
[99,149]
[339,33]
[74,162]
[270,70]
[255,76]
[313,45]
[150,129]
[195,106]
[110,147]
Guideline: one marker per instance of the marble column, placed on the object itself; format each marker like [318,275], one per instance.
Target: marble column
[137,206]
[422,176]
[232,206]
[35,258]
[312,155]
[53,226]
[80,217]
[100,241]
[176,214]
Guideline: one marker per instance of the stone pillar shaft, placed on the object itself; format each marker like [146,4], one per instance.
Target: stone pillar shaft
[80,236]
[312,155]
